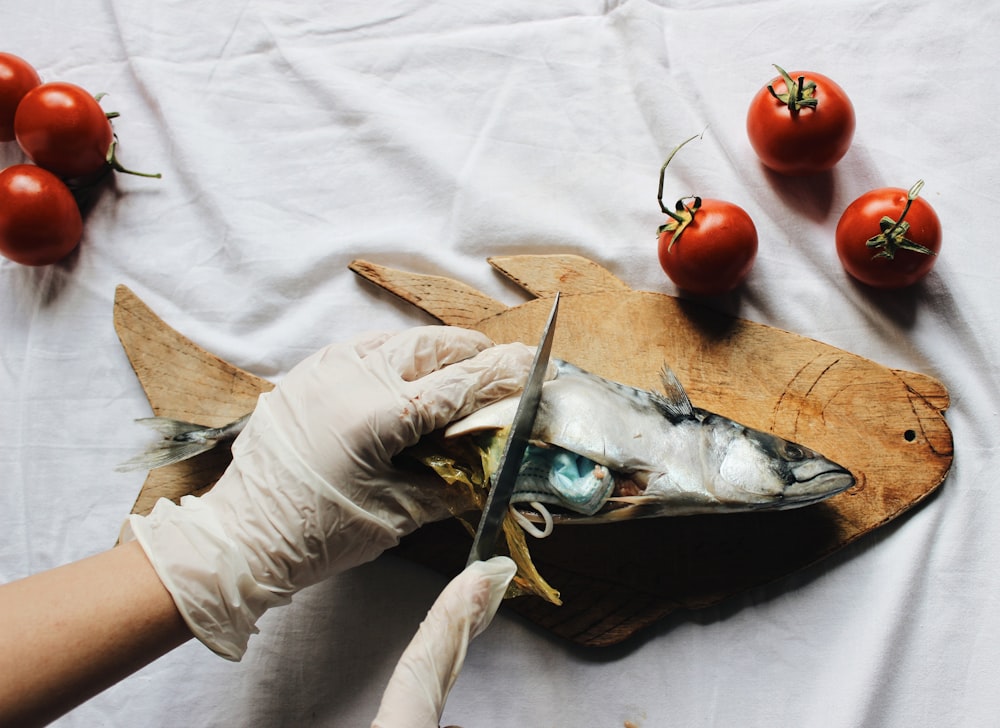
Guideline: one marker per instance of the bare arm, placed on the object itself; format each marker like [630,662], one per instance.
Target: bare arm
[69,633]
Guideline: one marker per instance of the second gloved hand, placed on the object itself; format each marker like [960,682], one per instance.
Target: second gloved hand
[419,686]
[312,489]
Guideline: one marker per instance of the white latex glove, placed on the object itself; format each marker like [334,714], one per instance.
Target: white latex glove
[424,675]
[312,490]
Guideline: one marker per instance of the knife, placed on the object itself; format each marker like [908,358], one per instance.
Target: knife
[498,500]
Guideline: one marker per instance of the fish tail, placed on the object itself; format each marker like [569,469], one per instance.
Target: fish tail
[181,441]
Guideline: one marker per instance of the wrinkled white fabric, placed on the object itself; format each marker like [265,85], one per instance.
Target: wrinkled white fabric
[295,136]
[312,489]
[428,668]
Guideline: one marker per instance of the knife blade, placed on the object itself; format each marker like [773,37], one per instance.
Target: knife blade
[504,479]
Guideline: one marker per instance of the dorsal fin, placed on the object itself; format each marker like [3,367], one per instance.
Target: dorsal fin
[673,402]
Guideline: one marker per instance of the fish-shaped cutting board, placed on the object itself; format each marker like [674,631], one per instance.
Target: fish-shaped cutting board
[885,425]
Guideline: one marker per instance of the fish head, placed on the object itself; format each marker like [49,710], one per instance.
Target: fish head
[729,467]
[758,470]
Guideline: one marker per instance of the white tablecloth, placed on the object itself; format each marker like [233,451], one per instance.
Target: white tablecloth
[296,136]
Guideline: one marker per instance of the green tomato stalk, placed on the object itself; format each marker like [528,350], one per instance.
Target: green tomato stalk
[893,236]
[799,93]
[111,157]
[682,214]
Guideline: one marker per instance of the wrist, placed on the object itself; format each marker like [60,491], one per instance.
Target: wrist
[205,572]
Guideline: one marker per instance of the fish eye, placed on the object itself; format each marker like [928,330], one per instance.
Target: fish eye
[794,452]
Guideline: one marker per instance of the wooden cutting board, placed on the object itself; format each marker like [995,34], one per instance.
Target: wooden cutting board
[885,425]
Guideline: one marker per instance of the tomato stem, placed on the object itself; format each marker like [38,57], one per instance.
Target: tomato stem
[799,93]
[680,219]
[113,162]
[682,215]
[663,170]
[111,157]
[892,237]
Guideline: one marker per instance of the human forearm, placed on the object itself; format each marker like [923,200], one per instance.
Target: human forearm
[69,633]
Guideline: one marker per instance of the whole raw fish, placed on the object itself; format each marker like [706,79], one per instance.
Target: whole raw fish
[608,451]
[664,456]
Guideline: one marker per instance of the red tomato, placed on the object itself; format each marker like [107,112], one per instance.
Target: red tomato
[889,237]
[707,247]
[715,250]
[17,78]
[800,123]
[40,222]
[62,128]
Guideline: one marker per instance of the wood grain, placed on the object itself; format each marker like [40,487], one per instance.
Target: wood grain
[446,299]
[886,425]
[546,275]
[183,381]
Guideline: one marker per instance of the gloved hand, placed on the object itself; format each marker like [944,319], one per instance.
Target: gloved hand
[424,675]
[312,489]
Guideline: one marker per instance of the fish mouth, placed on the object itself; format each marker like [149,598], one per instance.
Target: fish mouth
[815,481]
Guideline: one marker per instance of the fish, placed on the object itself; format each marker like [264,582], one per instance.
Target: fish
[662,455]
[604,451]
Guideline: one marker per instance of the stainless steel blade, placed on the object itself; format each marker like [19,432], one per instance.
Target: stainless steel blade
[505,478]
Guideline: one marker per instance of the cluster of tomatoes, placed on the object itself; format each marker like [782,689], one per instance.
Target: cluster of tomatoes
[68,137]
[800,124]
